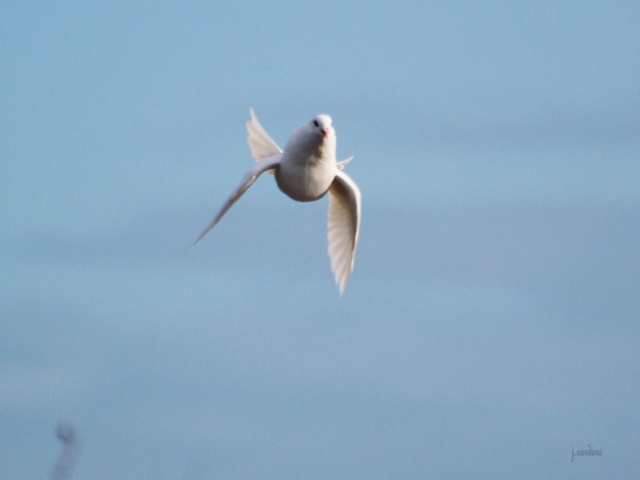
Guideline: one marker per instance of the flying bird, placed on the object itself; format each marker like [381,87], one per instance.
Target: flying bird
[305,171]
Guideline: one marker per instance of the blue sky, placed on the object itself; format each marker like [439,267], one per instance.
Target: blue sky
[490,325]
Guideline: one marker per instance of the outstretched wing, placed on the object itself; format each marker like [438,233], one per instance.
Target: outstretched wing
[249,178]
[259,141]
[344,163]
[344,226]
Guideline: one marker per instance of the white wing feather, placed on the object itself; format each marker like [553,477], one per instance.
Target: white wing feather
[261,144]
[344,163]
[344,227]
[249,178]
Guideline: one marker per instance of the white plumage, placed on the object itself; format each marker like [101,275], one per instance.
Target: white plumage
[305,171]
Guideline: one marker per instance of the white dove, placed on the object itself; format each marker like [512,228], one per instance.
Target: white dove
[305,171]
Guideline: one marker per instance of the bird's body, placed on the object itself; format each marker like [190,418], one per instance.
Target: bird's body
[308,164]
[305,171]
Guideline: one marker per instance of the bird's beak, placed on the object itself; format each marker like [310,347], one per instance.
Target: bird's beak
[325,132]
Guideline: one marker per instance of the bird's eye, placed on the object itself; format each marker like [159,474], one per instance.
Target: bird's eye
[315,123]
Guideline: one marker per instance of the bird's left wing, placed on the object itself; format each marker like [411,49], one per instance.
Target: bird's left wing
[344,163]
[344,226]
[249,178]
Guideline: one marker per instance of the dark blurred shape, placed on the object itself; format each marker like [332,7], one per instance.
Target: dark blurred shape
[66,433]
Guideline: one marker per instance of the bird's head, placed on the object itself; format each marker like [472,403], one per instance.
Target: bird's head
[314,139]
[322,124]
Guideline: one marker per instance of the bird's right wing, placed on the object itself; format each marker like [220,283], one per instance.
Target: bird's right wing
[249,178]
[344,226]
[259,141]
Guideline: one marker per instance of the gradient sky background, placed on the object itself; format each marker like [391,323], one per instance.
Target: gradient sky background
[492,320]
